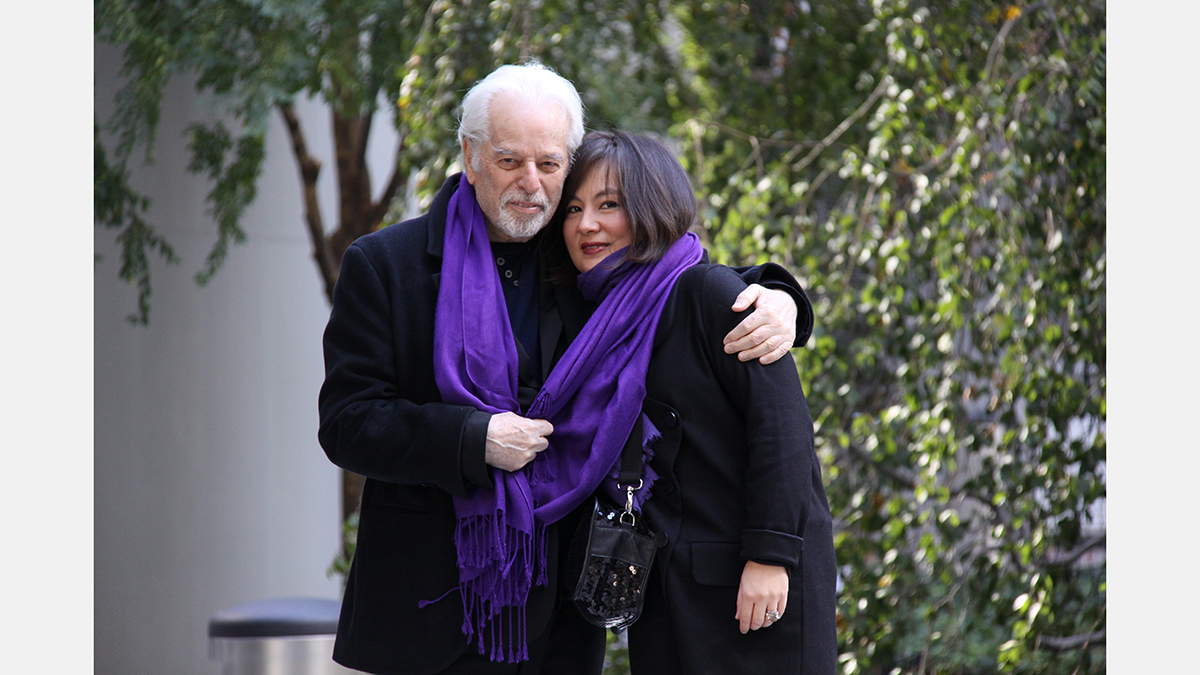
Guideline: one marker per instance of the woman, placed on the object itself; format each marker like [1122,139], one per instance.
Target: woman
[746,581]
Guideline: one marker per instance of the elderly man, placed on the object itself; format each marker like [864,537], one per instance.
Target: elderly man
[383,415]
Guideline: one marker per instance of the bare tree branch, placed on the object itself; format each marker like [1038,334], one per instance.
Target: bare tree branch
[310,169]
[1063,644]
[397,181]
[998,44]
[845,124]
[861,453]
[1062,41]
[1070,557]
[353,178]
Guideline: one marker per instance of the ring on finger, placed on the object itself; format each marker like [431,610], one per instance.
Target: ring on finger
[772,615]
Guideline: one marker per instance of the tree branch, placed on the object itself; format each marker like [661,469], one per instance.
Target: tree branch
[353,183]
[896,476]
[397,181]
[366,208]
[1062,41]
[310,169]
[1063,644]
[1069,558]
[845,124]
[997,45]
[364,133]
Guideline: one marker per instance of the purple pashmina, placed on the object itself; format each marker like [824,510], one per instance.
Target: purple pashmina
[592,397]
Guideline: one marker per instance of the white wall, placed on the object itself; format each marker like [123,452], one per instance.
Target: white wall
[210,487]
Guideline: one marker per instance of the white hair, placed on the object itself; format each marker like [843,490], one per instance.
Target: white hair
[531,83]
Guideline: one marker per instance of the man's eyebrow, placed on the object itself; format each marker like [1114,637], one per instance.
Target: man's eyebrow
[552,156]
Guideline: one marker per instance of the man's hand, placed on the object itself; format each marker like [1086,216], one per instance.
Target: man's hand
[769,332]
[513,441]
[764,589]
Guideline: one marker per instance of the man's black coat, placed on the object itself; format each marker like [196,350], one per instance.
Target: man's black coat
[381,416]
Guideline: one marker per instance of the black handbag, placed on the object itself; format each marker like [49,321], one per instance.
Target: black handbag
[612,551]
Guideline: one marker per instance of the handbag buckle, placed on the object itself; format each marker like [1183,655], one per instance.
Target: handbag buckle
[629,490]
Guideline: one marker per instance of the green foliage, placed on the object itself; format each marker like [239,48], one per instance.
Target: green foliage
[933,173]
[414,58]
[616,659]
[947,215]
[340,567]
[250,58]
[117,206]
[234,184]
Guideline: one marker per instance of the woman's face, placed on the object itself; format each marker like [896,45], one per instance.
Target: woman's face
[596,223]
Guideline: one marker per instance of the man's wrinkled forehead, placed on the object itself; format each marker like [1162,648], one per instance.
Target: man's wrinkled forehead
[515,125]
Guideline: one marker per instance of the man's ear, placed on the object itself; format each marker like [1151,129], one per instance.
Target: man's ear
[467,164]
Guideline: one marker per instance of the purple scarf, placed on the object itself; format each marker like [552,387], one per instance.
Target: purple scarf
[593,397]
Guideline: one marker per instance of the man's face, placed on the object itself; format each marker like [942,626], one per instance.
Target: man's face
[519,172]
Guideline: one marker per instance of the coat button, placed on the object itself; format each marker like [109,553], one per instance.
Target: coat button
[672,419]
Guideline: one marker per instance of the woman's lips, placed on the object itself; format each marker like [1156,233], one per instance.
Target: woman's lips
[592,247]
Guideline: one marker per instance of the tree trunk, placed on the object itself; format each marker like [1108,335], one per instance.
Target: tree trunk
[358,215]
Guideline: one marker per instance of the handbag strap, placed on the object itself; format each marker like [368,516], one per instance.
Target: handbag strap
[631,457]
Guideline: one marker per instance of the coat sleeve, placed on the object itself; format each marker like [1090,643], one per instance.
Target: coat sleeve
[380,413]
[779,434]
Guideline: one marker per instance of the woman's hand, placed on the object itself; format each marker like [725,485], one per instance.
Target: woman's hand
[764,589]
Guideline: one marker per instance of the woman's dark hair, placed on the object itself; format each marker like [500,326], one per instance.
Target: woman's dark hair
[656,192]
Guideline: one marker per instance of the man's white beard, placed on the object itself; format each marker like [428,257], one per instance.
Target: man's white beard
[522,229]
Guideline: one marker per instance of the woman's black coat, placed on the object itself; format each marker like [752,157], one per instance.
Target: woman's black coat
[739,481]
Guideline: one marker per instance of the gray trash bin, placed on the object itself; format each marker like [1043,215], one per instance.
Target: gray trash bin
[277,636]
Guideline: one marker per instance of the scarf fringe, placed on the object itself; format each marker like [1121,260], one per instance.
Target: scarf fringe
[512,561]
